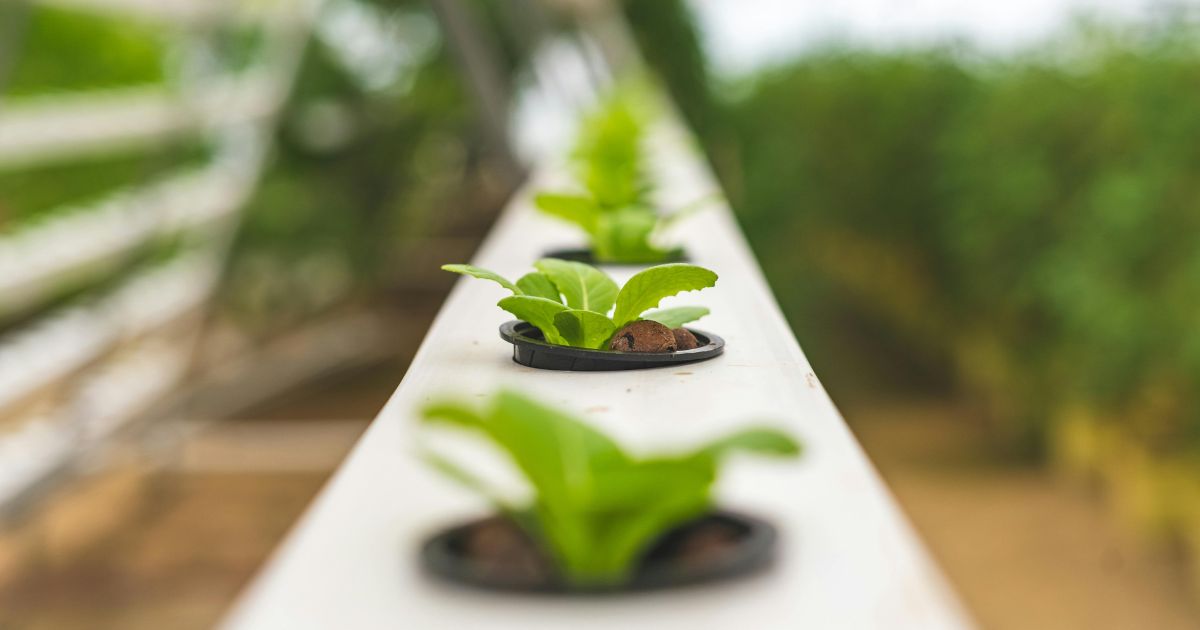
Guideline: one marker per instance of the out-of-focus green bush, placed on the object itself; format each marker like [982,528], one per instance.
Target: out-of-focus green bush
[832,164]
[1031,224]
[1021,231]
[1024,230]
[376,158]
[669,39]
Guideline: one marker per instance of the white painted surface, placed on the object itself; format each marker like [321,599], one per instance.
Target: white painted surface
[848,558]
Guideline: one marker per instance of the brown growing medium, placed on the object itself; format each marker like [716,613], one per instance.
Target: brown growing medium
[684,339]
[644,336]
[499,548]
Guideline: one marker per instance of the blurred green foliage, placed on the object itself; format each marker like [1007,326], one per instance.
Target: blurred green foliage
[669,38]
[1024,231]
[609,155]
[367,166]
[30,193]
[1031,224]
[63,50]
[615,208]
[364,175]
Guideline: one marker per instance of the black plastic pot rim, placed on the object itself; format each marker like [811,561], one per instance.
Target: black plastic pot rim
[531,350]
[754,551]
[585,255]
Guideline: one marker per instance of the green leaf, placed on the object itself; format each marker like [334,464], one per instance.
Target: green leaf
[635,485]
[676,316]
[584,329]
[647,288]
[761,441]
[538,285]
[450,412]
[623,537]
[610,155]
[483,274]
[552,448]
[596,509]
[584,287]
[624,236]
[564,460]
[537,311]
[630,505]
[559,456]
[577,209]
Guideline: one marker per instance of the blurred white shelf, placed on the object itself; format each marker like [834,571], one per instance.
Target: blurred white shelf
[124,341]
[37,260]
[37,450]
[117,392]
[848,557]
[36,130]
[58,346]
[54,441]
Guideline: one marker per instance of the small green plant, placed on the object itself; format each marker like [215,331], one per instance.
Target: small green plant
[615,209]
[595,508]
[570,301]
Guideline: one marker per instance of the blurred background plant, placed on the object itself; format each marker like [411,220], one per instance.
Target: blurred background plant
[611,201]
[1025,227]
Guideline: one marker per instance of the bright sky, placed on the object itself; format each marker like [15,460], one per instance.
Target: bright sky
[744,34]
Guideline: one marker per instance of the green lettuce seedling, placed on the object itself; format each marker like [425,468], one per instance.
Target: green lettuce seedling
[570,301]
[615,209]
[595,508]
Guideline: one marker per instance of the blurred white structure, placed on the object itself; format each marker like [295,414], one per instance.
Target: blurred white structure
[72,377]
